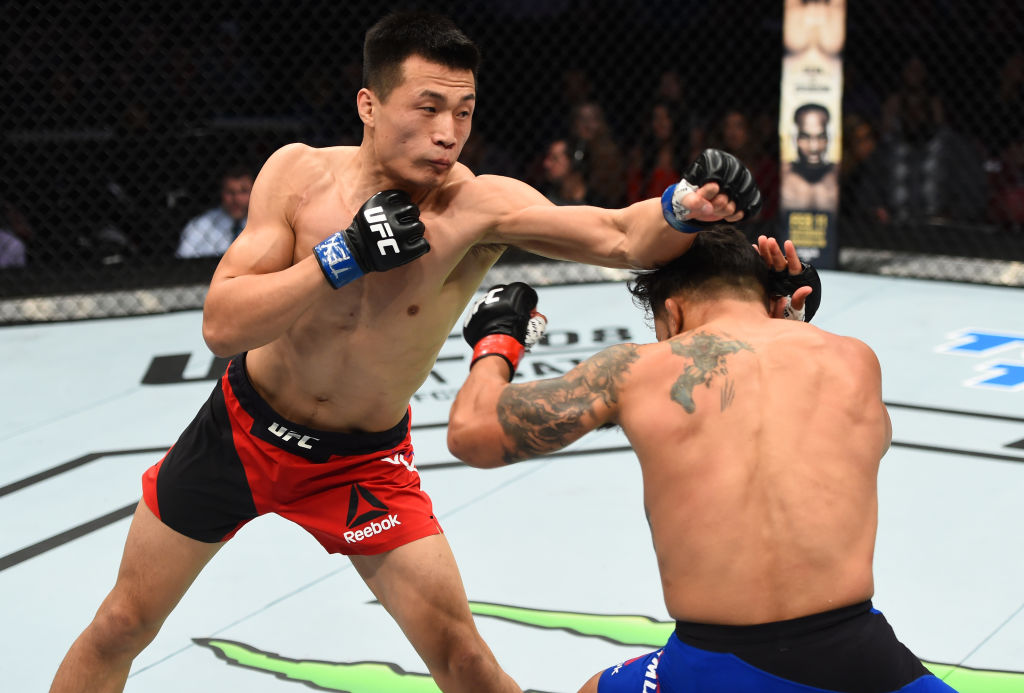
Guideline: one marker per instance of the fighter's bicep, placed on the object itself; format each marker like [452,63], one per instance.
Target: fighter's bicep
[544,416]
[521,216]
[267,244]
[259,249]
[547,415]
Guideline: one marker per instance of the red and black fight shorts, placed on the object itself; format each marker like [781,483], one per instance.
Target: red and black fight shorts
[357,493]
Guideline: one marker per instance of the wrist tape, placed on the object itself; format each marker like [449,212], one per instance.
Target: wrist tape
[674,210]
[336,260]
[791,313]
[503,345]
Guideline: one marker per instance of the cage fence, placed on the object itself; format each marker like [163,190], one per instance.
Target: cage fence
[124,121]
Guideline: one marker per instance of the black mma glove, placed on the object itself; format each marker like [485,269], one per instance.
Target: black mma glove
[504,322]
[713,165]
[385,233]
[783,283]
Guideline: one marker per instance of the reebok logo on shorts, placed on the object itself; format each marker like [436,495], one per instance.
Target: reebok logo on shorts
[374,509]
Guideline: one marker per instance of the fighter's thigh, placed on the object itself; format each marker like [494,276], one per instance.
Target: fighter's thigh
[636,674]
[591,685]
[157,567]
[420,586]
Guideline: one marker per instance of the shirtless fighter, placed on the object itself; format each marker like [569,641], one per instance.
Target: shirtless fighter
[759,441]
[334,331]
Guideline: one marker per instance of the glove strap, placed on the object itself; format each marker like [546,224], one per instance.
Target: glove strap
[673,208]
[336,260]
[503,345]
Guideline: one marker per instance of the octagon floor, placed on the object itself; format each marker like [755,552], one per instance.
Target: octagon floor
[551,551]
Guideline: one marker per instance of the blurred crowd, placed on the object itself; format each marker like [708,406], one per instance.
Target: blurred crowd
[145,144]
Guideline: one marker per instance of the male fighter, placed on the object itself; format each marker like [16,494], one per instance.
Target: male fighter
[335,330]
[759,441]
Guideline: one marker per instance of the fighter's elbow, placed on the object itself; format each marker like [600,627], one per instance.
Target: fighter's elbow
[467,445]
[218,339]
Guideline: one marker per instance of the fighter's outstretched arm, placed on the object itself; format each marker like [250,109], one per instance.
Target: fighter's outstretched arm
[644,235]
[493,422]
[635,237]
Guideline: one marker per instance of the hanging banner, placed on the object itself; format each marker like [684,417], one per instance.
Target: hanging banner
[814,32]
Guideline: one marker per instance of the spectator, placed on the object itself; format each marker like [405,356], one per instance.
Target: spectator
[15,233]
[656,162]
[210,233]
[1004,115]
[483,155]
[671,90]
[1008,187]
[325,95]
[914,110]
[564,183]
[604,174]
[922,171]
[231,77]
[859,144]
[735,135]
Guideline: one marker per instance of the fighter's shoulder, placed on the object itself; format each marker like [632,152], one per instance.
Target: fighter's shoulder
[616,363]
[298,165]
[853,351]
[608,373]
[492,191]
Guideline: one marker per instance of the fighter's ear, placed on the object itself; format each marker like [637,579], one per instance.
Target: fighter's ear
[673,316]
[366,102]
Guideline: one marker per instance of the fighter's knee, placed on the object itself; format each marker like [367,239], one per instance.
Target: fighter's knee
[465,657]
[120,627]
[470,661]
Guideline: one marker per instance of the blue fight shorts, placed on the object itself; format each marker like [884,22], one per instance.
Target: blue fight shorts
[848,650]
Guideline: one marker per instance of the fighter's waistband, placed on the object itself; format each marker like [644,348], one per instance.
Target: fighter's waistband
[266,419]
[719,638]
[851,649]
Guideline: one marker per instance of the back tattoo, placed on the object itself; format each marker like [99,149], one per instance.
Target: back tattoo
[708,352]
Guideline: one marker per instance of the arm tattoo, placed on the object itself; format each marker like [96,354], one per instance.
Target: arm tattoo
[546,415]
[708,352]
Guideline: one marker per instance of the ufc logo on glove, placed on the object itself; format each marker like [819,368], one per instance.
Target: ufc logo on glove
[379,224]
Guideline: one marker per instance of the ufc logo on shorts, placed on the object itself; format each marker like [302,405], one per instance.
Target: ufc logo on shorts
[285,435]
[379,224]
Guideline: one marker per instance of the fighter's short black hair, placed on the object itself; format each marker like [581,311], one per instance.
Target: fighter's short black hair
[399,35]
[721,262]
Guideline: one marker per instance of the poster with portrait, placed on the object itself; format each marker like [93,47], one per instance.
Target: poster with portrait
[814,32]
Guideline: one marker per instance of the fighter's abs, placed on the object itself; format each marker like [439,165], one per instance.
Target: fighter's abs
[352,362]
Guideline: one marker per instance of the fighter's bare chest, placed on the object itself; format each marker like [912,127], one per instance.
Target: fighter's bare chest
[428,290]
[449,241]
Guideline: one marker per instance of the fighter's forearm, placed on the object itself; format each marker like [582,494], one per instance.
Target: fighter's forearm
[474,432]
[650,241]
[248,311]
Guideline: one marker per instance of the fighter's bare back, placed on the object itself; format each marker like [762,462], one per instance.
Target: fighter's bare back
[775,448]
